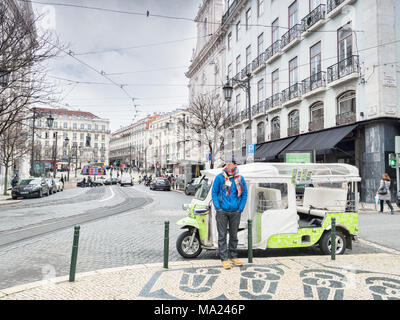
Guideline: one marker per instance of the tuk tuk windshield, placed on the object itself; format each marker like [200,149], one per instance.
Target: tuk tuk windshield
[202,191]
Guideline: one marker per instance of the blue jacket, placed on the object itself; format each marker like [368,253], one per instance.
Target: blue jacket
[221,199]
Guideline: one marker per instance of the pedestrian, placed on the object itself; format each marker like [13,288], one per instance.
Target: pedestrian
[84,182]
[14,181]
[229,195]
[384,193]
[62,180]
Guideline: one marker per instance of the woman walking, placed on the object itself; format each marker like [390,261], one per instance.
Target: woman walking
[384,193]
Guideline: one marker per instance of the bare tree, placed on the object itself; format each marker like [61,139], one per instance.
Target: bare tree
[24,57]
[14,145]
[210,119]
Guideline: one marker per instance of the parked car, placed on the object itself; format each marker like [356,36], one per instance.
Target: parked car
[192,186]
[30,187]
[160,184]
[126,179]
[52,185]
[97,183]
[59,184]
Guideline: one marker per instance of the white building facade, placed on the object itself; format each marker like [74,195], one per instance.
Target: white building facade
[324,77]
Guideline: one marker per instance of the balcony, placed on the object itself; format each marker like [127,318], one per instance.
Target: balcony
[245,72]
[314,84]
[346,118]
[258,109]
[343,71]
[276,101]
[313,20]
[291,95]
[273,51]
[293,131]
[258,63]
[316,124]
[334,7]
[275,135]
[231,8]
[243,115]
[292,37]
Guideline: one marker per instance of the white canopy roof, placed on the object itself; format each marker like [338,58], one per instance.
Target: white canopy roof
[320,171]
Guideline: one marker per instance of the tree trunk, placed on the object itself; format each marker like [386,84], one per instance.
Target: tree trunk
[5,181]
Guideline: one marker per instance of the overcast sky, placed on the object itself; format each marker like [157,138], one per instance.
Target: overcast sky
[154,72]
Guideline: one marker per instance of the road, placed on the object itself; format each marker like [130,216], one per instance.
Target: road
[119,227]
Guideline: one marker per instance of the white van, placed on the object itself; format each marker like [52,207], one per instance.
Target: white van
[126,178]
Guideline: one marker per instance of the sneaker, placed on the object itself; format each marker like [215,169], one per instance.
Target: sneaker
[226,265]
[236,262]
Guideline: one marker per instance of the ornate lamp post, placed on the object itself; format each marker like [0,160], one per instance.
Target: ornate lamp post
[50,122]
[245,85]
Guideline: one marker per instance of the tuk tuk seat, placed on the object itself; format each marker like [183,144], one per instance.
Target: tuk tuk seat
[319,201]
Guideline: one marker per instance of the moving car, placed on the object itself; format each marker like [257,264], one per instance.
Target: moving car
[279,220]
[126,179]
[111,181]
[52,185]
[192,186]
[30,187]
[59,184]
[160,184]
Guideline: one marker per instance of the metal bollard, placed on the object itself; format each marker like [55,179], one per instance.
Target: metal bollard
[333,238]
[250,240]
[166,244]
[74,255]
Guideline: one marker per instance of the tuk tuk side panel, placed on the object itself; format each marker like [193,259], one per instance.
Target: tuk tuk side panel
[349,220]
[295,240]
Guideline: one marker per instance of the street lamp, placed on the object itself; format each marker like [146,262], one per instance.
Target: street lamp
[66,140]
[50,122]
[245,85]
[35,113]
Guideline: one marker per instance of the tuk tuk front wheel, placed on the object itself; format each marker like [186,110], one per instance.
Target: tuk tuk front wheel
[325,243]
[183,245]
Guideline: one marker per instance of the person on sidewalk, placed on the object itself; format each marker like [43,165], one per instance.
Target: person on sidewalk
[229,195]
[62,180]
[384,193]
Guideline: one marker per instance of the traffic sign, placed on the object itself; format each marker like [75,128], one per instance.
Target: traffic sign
[251,148]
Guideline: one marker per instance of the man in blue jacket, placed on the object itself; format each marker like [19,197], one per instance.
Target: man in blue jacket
[229,195]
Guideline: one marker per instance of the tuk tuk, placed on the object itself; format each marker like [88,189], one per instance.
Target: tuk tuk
[279,218]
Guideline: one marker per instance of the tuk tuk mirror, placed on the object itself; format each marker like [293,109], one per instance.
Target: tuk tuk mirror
[200,211]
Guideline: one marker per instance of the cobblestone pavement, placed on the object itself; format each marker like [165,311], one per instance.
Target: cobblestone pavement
[349,277]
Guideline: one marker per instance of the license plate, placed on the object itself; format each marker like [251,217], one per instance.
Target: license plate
[24,192]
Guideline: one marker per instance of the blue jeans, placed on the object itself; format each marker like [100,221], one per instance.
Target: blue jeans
[227,219]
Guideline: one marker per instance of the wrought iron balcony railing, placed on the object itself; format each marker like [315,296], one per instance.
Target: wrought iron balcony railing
[333,4]
[345,118]
[293,33]
[343,68]
[313,17]
[243,115]
[259,108]
[229,11]
[294,91]
[258,61]
[276,100]
[316,124]
[273,49]
[275,135]
[293,131]
[245,71]
[316,81]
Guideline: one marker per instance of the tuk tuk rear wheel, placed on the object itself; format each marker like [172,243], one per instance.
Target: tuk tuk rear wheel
[183,243]
[325,243]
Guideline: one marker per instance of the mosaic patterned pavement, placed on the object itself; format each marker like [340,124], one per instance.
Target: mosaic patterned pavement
[349,277]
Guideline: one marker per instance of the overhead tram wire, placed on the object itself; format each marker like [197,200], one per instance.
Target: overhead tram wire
[148,14]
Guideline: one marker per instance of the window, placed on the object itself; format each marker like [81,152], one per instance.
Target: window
[275,31]
[230,71]
[65,125]
[293,10]
[82,126]
[96,127]
[229,40]
[260,44]
[96,137]
[260,90]
[75,126]
[238,107]
[293,119]
[238,64]
[272,196]
[314,4]
[237,30]
[103,138]
[248,19]
[89,126]
[103,128]
[345,43]
[260,132]
[82,136]
[74,136]
[315,59]
[248,55]
[317,111]
[293,74]
[46,135]
[55,125]
[275,128]
[260,7]
[275,82]
[347,102]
